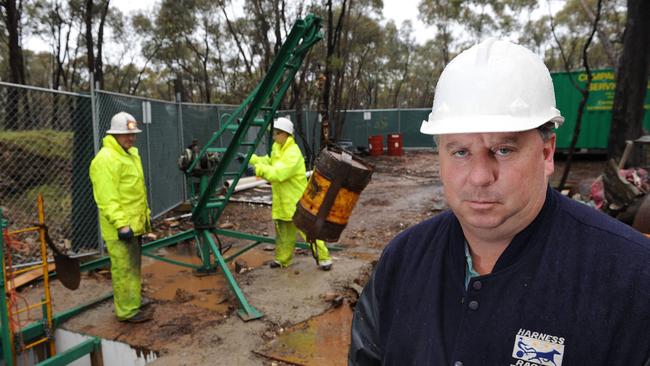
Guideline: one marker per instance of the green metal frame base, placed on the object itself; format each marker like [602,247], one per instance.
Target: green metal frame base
[206,242]
[87,347]
[204,271]
[252,315]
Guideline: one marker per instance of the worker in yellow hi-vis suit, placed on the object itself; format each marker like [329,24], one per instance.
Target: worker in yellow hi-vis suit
[121,197]
[285,170]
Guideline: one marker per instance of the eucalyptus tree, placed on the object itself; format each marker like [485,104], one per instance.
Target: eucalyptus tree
[11,15]
[399,46]
[95,13]
[59,24]
[632,78]
[572,25]
[423,76]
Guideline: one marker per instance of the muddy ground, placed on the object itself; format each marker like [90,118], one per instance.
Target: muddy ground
[306,311]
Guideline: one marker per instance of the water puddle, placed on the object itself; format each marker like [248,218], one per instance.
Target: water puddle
[169,282]
[113,353]
[321,340]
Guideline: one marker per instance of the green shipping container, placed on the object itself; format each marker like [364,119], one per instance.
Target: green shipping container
[597,117]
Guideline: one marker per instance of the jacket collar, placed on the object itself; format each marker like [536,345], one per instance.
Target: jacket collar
[111,143]
[290,141]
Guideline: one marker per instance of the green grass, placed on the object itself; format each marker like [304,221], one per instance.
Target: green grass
[57,201]
[47,143]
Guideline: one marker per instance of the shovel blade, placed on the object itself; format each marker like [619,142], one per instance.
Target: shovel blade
[68,271]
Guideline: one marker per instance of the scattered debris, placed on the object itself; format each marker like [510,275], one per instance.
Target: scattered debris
[358,289]
[227,225]
[254,200]
[333,298]
[241,266]
[183,296]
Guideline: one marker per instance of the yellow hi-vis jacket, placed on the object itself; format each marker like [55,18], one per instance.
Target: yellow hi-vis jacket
[119,189]
[285,170]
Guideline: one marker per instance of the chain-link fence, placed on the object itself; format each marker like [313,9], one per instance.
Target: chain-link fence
[360,124]
[46,143]
[159,144]
[48,139]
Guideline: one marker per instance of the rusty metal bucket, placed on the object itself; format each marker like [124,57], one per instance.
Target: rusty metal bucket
[332,192]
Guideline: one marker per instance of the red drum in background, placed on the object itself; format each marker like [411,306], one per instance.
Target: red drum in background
[376,145]
[395,144]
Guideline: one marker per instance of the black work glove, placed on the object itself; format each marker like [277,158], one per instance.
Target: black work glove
[241,157]
[125,233]
[250,171]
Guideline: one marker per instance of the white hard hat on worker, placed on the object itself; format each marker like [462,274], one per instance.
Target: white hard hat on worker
[122,124]
[494,86]
[283,124]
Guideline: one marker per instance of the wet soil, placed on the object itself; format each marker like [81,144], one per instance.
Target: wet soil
[306,311]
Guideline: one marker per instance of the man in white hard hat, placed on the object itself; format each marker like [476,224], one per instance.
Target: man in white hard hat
[514,273]
[285,170]
[121,196]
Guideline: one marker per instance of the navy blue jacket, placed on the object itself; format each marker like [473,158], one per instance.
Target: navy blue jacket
[573,288]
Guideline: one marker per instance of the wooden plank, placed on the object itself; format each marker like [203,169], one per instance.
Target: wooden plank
[30,276]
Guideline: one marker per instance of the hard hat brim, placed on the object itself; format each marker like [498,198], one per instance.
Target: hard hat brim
[283,130]
[486,124]
[122,132]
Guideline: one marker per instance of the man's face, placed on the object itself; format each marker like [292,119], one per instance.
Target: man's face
[280,136]
[126,140]
[495,182]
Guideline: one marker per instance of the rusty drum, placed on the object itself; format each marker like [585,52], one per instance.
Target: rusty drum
[332,192]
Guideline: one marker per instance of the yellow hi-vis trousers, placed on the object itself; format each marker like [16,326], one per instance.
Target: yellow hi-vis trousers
[285,243]
[125,273]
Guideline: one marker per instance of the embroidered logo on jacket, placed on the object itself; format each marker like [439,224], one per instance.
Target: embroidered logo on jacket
[535,348]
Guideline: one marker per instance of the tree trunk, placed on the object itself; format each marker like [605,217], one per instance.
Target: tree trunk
[179,90]
[603,36]
[324,106]
[238,42]
[99,65]
[90,47]
[16,61]
[327,108]
[583,102]
[632,79]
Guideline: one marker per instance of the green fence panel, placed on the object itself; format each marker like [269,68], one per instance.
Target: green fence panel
[409,127]
[361,124]
[164,142]
[597,116]
[199,122]
[355,128]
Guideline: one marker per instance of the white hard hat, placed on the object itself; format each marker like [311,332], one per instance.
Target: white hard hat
[283,124]
[495,86]
[123,124]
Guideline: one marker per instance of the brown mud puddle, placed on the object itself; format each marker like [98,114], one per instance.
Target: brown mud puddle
[321,340]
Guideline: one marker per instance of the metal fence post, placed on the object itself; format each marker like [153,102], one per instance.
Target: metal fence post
[146,121]
[399,120]
[181,140]
[94,111]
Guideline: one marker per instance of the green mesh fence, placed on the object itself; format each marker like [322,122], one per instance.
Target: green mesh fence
[200,122]
[37,123]
[361,124]
[164,142]
[46,144]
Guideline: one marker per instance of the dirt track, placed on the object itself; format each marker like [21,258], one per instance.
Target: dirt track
[195,321]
